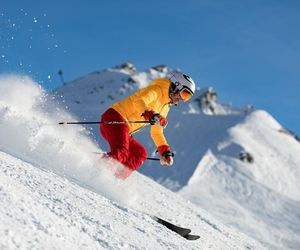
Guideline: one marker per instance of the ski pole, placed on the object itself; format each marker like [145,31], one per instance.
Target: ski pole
[110,122]
[148,158]
[153,159]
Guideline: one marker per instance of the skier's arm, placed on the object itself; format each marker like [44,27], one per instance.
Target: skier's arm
[166,156]
[157,134]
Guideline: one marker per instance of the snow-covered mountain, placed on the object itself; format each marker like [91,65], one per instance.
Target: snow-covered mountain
[56,194]
[259,196]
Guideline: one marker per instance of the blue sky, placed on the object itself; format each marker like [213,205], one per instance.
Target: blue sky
[249,51]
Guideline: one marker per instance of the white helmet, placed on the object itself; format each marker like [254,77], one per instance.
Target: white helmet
[180,82]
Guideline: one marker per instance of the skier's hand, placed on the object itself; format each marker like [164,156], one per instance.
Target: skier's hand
[160,120]
[155,118]
[166,156]
[149,116]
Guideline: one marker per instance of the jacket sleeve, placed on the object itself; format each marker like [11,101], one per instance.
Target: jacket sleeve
[157,135]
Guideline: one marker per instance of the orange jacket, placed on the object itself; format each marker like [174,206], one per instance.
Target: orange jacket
[154,97]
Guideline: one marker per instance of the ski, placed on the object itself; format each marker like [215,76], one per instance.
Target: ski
[180,230]
[184,232]
[191,237]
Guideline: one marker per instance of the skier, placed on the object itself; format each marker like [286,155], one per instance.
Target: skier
[152,104]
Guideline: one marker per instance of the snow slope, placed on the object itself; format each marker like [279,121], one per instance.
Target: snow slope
[56,194]
[42,210]
[207,169]
[259,199]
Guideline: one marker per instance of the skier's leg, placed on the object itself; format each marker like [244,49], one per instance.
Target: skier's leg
[137,154]
[116,135]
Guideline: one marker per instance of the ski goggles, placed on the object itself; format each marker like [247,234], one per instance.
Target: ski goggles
[185,94]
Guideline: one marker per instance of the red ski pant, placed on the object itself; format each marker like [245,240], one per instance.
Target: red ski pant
[123,147]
